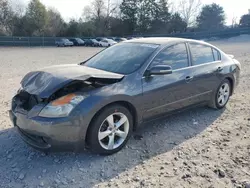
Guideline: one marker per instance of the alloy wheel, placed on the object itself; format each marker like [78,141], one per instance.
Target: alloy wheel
[223,94]
[113,131]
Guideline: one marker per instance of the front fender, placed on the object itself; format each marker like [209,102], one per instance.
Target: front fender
[93,104]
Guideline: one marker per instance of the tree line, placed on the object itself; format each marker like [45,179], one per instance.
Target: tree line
[106,18]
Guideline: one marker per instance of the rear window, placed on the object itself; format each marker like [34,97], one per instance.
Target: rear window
[201,54]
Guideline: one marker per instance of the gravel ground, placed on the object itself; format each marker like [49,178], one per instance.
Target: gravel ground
[197,148]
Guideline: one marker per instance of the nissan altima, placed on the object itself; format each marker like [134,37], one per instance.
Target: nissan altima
[97,104]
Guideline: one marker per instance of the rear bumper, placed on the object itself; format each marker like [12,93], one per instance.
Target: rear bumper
[48,134]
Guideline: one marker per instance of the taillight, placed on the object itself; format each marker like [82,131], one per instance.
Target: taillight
[237,63]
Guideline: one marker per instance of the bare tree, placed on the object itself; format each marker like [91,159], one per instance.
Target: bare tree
[189,9]
[6,17]
[55,22]
[100,12]
[18,7]
[112,7]
[98,8]
[87,14]
[234,21]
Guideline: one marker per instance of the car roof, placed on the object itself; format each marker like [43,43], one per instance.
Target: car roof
[163,40]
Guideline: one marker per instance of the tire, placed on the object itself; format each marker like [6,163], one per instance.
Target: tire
[97,140]
[220,103]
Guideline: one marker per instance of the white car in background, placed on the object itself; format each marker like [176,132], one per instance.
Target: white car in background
[107,42]
[64,42]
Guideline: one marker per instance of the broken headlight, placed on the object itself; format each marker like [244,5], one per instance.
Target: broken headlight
[61,107]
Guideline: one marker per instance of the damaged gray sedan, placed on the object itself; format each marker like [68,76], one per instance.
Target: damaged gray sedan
[100,102]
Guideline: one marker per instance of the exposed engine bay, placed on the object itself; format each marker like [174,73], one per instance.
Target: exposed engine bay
[82,86]
[49,84]
[27,101]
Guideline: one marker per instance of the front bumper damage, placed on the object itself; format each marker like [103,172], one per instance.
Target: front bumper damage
[41,87]
[47,134]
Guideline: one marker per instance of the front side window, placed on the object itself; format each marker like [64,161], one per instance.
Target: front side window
[201,54]
[174,56]
[123,58]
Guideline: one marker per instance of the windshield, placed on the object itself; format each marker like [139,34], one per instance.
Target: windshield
[65,40]
[123,58]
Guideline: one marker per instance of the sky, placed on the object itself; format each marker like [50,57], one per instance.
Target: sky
[74,8]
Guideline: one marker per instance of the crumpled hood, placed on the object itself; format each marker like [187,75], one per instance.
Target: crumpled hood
[47,81]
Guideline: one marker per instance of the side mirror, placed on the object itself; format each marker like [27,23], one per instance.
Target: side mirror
[159,70]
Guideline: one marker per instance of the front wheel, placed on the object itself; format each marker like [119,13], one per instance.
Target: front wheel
[222,95]
[110,130]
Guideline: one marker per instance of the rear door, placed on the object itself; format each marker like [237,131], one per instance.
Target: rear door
[206,66]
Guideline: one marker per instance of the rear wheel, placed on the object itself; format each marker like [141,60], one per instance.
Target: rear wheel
[222,95]
[110,130]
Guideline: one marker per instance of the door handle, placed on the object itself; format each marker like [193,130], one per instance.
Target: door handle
[189,78]
[219,69]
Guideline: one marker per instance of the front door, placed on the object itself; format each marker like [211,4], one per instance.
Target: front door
[164,93]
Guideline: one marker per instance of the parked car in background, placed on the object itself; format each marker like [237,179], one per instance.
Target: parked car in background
[118,39]
[77,41]
[101,101]
[91,42]
[107,43]
[64,42]
[100,38]
[130,38]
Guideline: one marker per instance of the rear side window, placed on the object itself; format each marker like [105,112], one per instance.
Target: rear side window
[217,56]
[201,54]
[174,56]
